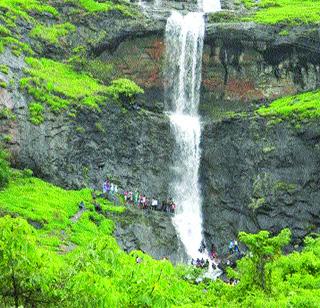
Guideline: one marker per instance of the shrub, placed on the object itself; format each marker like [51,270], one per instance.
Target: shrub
[124,90]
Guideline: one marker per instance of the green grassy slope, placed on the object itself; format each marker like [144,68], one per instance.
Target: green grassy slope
[78,263]
[288,12]
[305,106]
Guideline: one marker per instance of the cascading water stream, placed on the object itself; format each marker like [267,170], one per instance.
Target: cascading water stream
[184,46]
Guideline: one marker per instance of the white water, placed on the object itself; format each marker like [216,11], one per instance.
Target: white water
[209,6]
[184,46]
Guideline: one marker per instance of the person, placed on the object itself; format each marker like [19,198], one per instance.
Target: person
[130,197]
[81,205]
[107,188]
[97,206]
[104,187]
[231,245]
[173,207]
[198,262]
[206,265]
[126,197]
[143,201]
[115,189]
[236,247]
[202,246]
[112,188]
[154,203]
[202,263]
[213,253]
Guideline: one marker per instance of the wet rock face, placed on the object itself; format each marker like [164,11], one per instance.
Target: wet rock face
[151,232]
[114,142]
[141,59]
[245,63]
[257,177]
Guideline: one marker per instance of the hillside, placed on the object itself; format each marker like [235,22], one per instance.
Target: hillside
[89,90]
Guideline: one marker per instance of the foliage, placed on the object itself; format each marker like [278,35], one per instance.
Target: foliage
[124,89]
[93,6]
[300,106]
[22,8]
[51,34]
[25,270]
[6,113]
[58,86]
[284,11]
[4,69]
[72,263]
[263,249]
[36,113]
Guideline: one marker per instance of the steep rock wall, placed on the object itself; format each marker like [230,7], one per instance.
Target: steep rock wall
[255,176]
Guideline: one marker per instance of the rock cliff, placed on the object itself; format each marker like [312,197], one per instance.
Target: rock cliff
[254,175]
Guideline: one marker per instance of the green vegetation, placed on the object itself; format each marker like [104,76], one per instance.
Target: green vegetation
[6,114]
[4,69]
[284,11]
[299,107]
[51,34]
[93,6]
[3,84]
[36,113]
[124,89]
[22,8]
[72,262]
[58,86]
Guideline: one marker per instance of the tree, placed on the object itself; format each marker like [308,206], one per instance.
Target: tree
[24,273]
[263,249]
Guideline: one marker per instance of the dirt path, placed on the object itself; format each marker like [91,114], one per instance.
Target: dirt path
[69,246]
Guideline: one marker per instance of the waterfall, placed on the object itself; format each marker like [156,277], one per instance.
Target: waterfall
[184,43]
[184,46]
[209,6]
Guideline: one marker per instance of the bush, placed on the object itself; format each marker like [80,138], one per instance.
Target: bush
[124,89]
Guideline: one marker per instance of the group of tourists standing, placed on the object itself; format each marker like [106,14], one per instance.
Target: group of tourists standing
[143,202]
[137,199]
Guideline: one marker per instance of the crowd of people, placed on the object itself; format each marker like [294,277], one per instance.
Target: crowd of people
[233,251]
[137,199]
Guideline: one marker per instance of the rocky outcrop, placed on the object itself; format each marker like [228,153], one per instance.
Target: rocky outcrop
[245,63]
[124,145]
[151,232]
[256,176]
[253,175]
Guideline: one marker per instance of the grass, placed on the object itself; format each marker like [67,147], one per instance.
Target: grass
[300,106]
[47,204]
[59,86]
[52,207]
[52,34]
[290,12]
[23,8]
[93,6]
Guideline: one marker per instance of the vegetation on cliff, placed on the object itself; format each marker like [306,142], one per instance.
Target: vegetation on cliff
[299,107]
[51,256]
[53,84]
[287,12]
